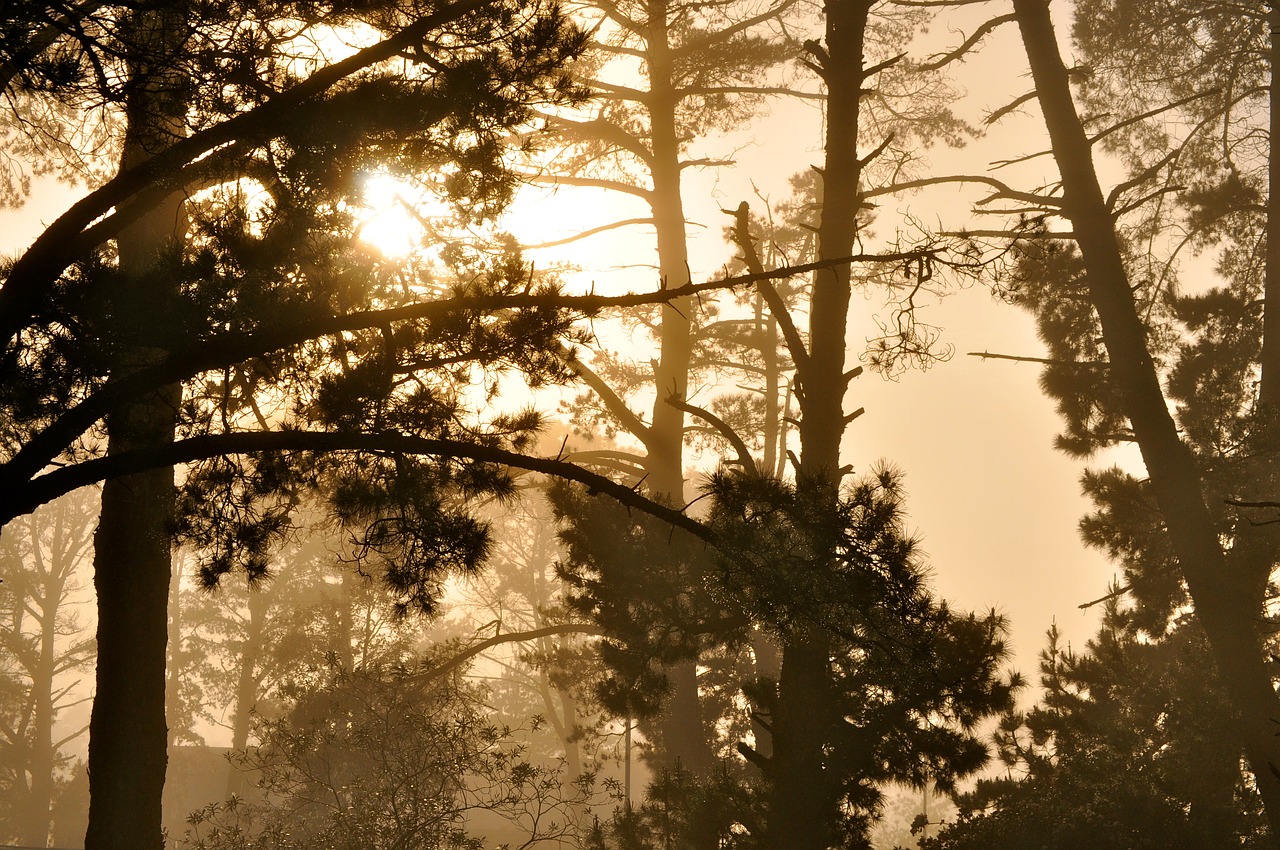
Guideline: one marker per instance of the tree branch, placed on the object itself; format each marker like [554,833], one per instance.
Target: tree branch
[555,243]
[135,190]
[613,402]
[472,651]
[18,500]
[593,183]
[44,447]
[745,460]
[940,60]
[987,355]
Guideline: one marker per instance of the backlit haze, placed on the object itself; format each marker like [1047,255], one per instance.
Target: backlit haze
[995,507]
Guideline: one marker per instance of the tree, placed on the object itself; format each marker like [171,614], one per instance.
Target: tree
[1128,748]
[241,642]
[384,758]
[825,717]
[1215,555]
[704,68]
[41,645]
[180,82]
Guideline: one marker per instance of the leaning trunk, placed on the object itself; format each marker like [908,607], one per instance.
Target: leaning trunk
[1227,593]
[127,731]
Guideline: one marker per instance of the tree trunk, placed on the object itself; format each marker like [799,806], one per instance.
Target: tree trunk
[127,731]
[1269,391]
[247,683]
[43,757]
[1227,593]
[803,805]
[682,731]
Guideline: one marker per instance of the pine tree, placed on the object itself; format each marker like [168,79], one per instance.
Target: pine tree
[1130,347]
[148,284]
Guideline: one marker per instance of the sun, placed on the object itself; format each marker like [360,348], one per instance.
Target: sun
[392,220]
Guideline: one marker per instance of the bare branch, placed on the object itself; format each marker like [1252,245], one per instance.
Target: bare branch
[745,460]
[592,183]
[1017,358]
[940,60]
[697,91]
[446,667]
[555,243]
[614,403]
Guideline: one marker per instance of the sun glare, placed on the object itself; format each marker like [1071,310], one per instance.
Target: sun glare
[392,223]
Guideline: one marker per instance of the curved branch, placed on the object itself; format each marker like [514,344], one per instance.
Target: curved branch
[698,91]
[613,402]
[724,35]
[18,499]
[593,183]
[43,39]
[745,459]
[1001,189]
[555,243]
[44,447]
[941,60]
[741,236]
[606,132]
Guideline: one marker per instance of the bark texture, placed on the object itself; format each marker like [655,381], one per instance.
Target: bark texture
[128,735]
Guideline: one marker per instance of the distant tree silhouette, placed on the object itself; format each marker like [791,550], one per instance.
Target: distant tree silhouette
[45,558]
[386,757]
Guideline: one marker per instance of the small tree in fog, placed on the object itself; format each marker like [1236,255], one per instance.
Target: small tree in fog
[385,758]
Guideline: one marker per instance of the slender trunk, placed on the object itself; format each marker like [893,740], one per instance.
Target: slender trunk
[343,635]
[43,757]
[127,731]
[1269,391]
[247,683]
[804,800]
[683,736]
[1226,595]
[176,659]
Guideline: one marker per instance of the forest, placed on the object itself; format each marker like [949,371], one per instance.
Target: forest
[444,424]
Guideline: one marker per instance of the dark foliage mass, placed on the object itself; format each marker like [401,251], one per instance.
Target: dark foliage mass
[911,679]
[1129,748]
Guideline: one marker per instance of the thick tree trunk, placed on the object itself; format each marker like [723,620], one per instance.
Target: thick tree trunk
[803,805]
[1226,594]
[127,731]
[683,734]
